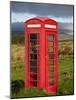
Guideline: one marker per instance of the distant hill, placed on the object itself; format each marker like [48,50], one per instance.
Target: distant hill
[62,36]
[17,28]
[65,30]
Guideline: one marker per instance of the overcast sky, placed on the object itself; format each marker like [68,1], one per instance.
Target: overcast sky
[20,12]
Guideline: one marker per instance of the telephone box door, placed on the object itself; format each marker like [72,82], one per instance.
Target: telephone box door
[51,61]
[33,55]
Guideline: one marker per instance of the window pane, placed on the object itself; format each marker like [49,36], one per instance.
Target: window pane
[51,82]
[51,62]
[33,43]
[51,69]
[51,49]
[33,36]
[51,37]
[51,75]
[33,83]
[51,56]
[33,69]
[33,50]
[33,63]
[33,56]
[51,43]
[34,77]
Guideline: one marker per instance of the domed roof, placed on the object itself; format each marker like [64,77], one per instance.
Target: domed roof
[41,18]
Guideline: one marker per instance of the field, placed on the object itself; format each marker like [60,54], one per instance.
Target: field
[65,71]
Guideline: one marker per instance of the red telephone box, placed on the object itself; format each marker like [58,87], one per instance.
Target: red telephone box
[41,54]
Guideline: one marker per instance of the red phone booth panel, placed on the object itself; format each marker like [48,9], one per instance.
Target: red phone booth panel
[41,54]
[51,61]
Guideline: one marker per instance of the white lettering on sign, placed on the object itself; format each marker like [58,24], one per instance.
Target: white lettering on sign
[33,25]
[50,26]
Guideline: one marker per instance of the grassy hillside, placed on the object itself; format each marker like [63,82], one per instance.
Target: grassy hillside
[63,36]
[65,72]
[19,38]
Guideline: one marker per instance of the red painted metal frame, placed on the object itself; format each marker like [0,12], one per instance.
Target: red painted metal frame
[43,79]
[52,88]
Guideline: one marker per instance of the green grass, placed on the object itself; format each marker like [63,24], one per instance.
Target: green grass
[65,74]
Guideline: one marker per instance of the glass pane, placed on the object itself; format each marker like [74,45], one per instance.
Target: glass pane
[33,69]
[51,62]
[34,77]
[33,43]
[51,37]
[51,82]
[33,56]
[33,36]
[51,56]
[51,68]
[33,83]
[51,75]
[51,43]
[51,49]
[33,50]
[33,63]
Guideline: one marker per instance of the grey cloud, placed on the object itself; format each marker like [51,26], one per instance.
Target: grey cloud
[42,9]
